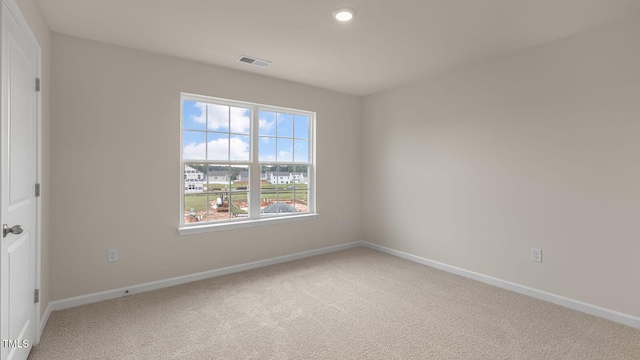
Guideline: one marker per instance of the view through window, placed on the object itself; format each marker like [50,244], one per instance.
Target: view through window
[244,161]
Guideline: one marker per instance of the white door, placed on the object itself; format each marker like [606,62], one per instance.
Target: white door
[18,173]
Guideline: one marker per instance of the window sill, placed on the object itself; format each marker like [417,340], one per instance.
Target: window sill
[241,224]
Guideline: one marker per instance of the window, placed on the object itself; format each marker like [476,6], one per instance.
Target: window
[244,164]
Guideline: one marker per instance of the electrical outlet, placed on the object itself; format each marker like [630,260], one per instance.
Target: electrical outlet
[339,223]
[536,255]
[112,255]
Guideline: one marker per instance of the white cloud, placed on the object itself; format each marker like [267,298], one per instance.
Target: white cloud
[202,118]
[284,156]
[218,117]
[239,149]
[194,151]
[217,150]
[266,126]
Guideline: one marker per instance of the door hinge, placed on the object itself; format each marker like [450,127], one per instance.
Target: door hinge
[36,296]
[37,190]
[37,84]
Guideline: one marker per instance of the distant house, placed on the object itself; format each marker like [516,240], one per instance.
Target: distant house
[218,177]
[285,178]
[193,180]
[243,176]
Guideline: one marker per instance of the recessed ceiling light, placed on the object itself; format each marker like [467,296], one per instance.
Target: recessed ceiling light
[344,14]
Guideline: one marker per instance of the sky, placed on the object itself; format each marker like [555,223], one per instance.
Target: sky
[218,132]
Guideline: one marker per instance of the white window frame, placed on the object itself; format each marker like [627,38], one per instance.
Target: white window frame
[254,218]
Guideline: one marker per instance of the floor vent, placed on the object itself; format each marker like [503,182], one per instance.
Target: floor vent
[254,61]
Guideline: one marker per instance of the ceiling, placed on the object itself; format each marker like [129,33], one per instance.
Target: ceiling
[388,43]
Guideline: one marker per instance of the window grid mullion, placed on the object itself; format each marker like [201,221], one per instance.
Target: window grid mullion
[206,133]
[254,171]
[228,133]
[208,204]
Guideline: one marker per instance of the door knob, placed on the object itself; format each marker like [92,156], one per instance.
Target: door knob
[17,229]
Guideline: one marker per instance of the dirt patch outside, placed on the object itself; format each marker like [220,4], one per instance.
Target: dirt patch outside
[215,215]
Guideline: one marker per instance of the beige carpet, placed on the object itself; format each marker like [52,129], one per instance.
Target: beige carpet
[352,304]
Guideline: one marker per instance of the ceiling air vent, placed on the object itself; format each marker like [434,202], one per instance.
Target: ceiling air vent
[254,61]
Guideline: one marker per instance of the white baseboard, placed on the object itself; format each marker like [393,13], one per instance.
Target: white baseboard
[43,320]
[612,315]
[155,285]
[538,294]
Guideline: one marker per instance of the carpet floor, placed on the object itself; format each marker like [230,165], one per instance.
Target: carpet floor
[352,304]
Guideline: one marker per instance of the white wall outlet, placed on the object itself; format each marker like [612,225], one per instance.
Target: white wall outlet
[339,223]
[112,255]
[536,255]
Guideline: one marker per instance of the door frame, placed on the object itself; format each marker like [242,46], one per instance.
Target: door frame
[24,27]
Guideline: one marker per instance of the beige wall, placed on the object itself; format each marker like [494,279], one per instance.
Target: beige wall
[471,168]
[117,123]
[40,29]
[535,149]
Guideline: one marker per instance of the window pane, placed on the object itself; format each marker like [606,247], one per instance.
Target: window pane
[285,125]
[301,153]
[219,206]
[195,208]
[268,184]
[239,206]
[300,175]
[285,150]
[268,176]
[301,126]
[277,190]
[267,149]
[240,178]
[301,196]
[193,116]
[285,192]
[218,178]
[218,117]
[194,145]
[240,120]
[267,123]
[267,199]
[195,178]
[284,176]
[240,146]
[218,147]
